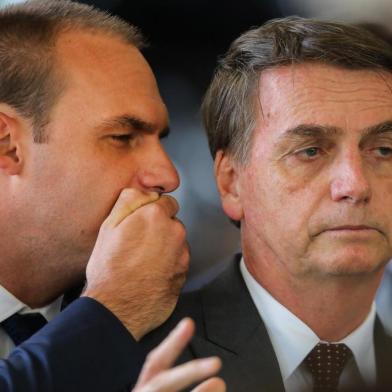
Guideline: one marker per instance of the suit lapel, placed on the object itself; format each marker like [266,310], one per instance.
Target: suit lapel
[383,350]
[234,331]
[231,328]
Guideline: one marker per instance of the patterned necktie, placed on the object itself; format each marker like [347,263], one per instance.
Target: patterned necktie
[20,327]
[326,363]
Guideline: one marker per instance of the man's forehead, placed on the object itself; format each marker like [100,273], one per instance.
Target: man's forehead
[83,47]
[109,79]
[322,78]
[316,92]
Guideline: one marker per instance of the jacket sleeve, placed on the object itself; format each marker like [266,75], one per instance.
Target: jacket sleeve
[84,348]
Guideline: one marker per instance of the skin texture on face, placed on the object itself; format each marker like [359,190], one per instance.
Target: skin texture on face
[317,190]
[104,136]
[315,197]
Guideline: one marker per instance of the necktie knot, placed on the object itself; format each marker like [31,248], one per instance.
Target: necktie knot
[326,362]
[20,327]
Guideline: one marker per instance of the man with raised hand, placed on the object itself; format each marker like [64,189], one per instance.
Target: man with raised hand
[81,120]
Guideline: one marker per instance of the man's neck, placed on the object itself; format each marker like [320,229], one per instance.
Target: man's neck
[30,294]
[34,286]
[331,306]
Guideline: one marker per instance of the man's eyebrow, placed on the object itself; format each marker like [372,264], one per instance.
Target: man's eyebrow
[309,130]
[318,131]
[132,123]
[379,129]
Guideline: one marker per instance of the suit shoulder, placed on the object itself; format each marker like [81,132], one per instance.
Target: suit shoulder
[193,304]
[188,305]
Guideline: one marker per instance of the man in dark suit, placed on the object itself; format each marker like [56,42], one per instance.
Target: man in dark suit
[298,117]
[82,167]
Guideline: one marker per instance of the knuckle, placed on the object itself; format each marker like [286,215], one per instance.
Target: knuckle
[153,210]
[174,203]
[180,230]
[186,254]
[171,201]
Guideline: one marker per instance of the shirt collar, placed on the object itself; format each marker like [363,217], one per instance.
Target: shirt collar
[361,343]
[10,305]
[292,339]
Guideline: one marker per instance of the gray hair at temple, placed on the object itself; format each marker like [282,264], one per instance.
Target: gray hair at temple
[31,80]
[231,103]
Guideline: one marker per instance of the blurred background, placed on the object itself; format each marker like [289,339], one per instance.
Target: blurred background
[186,39]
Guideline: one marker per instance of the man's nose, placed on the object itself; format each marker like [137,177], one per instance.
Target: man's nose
[158,172]
[349,179]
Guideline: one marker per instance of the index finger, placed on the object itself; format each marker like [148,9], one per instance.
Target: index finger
[164,355]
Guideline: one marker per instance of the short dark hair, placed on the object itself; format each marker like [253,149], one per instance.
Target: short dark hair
[229,106]
[29,80]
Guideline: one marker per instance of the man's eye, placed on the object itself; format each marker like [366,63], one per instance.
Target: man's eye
[308,153]
[384,152]
[122,138]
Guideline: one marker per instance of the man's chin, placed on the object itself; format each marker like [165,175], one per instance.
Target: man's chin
[351,264]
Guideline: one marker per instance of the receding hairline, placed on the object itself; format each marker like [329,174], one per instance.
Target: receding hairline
[33,80]
[88,40]
[63,15]
[73,28]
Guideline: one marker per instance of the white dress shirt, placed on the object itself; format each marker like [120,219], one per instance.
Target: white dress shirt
[292,341]
[10,305]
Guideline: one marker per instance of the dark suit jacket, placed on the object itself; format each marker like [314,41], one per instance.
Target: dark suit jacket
[85,348]
[229,326]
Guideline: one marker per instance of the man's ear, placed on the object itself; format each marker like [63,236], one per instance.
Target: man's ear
[10,151]
[226,174]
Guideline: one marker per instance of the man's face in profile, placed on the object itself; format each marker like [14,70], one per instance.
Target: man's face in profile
[316,194]
[104,135]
